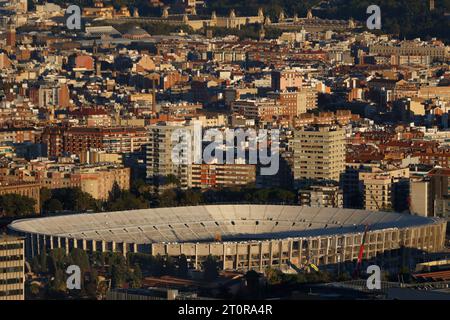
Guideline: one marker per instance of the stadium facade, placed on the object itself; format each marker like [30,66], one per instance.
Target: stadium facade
[241,237]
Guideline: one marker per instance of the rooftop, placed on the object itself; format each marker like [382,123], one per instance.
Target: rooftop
[203,223]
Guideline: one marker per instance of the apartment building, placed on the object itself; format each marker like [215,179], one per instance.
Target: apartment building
[222,175]
[430,195]
[159,150]
[351,185]
[385,189]
[98,182]
[12,275]
[53,137]
[54,95]
[260,109]
[421,203]
[295,103]
[95,179]
[112,140]
[286,79]
[319,153]
[18,135]
[322,197]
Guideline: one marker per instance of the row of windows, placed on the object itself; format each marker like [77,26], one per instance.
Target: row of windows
[11,246]
[11,269]
[11,281]
[11,293]
[11,258]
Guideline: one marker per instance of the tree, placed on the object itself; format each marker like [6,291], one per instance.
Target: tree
[74,199]
[136,277]
[183,270]
[115,192]
[34,289]
[157,266]
[140,189]
[58,284]
[80,258]
[54,206]
[127,201]
[118,275]
[167,198]
[252,280]
[57,260]
[12,205]
[43,262]
[169,266]
[171,179]
[211,268]
[91,285]
[274,276]
[45,195]
[189,197]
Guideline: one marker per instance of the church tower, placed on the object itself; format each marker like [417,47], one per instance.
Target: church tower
[262,33]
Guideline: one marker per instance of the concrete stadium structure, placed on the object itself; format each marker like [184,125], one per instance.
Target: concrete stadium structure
[251,236]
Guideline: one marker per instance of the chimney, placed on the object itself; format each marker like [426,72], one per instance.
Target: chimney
[154,97]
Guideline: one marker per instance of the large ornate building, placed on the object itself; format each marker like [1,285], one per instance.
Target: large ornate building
[309,23]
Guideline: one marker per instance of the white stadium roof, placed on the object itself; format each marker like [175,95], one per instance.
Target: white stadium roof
[204,223]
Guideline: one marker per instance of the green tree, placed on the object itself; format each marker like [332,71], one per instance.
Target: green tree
[80,258]
[167,198]
[157,266]
[58,284]
[115,192]
[274,276]
[34,290]
[45,195]
[183,270]
[118,275]
[252,282]
[57,260]
[136,277]
[53,206]
[211,268]
[74,199]
[127,201]
[12,205]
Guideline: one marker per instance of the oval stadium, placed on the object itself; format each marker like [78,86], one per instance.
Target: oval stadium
[241,237]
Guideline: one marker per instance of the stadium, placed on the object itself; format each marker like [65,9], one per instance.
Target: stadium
[241,237]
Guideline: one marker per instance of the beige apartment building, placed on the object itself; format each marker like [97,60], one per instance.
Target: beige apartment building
[319,153]
[98,182]
[322,197]
[385,189]
[421,202]
[12,274]
[159,162]
[430,194]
